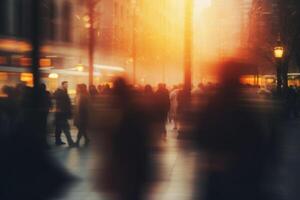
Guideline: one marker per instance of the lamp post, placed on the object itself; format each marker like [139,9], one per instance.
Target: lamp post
[278,55]
[188,47]
[91,13]
[134,21]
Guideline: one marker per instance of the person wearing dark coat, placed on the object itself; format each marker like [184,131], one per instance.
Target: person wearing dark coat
[45,105]
[63,113]
[229,132]
[126,170]
[81,113]
[93,91]
[162,100]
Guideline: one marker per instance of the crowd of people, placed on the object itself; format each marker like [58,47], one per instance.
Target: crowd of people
[156,103]
[161,105]
[133,122]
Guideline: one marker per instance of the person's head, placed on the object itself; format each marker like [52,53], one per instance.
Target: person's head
[7,90]
[120,86]
[84,89]
[148,89]
[107,86]
[99,87]
[64,85]
[200,85]
[78,88]
[20,87]
[93,89]
[160,86]
[43,86]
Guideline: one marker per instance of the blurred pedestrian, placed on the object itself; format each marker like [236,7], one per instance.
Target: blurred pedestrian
[162,100]
[126,167]
[63,114]
[230,135]
[45,105]
[174,107]
[99,89]
[93,91]
[81,113]
[106,90]
[291,102]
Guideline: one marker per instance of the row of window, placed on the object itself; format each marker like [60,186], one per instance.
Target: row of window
[15,19]
[53,22]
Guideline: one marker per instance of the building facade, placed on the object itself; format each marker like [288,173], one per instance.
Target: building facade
[157,32]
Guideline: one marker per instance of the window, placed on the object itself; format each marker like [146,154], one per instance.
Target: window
[66,23]
[52,17]
[3,17]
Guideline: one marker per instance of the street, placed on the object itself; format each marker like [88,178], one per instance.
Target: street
[177,164]
[182,168]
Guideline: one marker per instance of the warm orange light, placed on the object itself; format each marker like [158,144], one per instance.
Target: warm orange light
[3,60]
[26,62]
[53,76]
[87,25]
[45,62]
[14,45]
[278,52]
[3,76]
[26,77]
[86,18]
[80,67]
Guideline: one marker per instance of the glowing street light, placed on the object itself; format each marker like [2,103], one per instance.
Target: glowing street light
[53,76]
[80,67]
[278,52]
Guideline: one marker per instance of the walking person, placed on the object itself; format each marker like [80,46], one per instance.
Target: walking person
[63,113]
[126,142]
[93,91]
[45,105]
[162,100]
[81,113]
[174,107]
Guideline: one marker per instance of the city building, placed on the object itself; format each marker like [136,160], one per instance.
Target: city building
[263,34]
[222,24]
[65,38]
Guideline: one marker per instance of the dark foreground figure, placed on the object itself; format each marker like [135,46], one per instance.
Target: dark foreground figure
[125,145]
[27,172]
[232,137]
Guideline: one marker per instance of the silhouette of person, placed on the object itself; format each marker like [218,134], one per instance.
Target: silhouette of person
[127,165]
[232,138]
[162,100]
[82,113]
[44,107]
[106,90]
[291,102]
[63,113]
[173,114]
[93,91]
[26,170]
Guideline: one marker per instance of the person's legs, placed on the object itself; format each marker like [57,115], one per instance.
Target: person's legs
[66,129]
[87,140]
[58,129]
[79,135]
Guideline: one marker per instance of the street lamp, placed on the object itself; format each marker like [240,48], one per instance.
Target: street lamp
[80,67]
[278,52]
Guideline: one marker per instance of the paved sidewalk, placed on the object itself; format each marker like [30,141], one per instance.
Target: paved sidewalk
[177,164]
